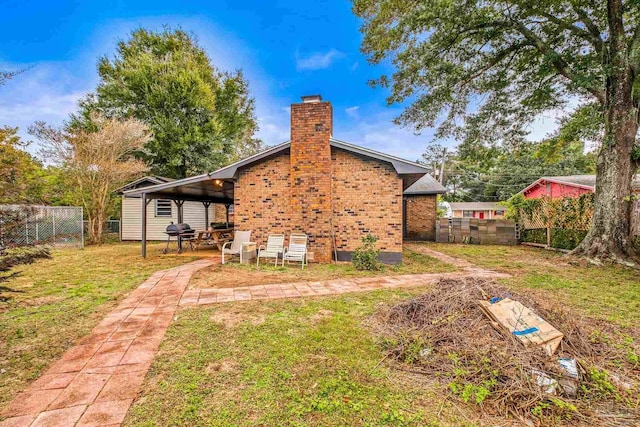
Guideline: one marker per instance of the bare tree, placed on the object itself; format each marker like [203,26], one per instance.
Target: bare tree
[96,162]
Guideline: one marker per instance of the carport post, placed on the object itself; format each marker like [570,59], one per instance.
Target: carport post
[144,225]
[206,214]
[179,204]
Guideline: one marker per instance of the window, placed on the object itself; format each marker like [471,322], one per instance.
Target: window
[163,207]
[467,214]
[230,209]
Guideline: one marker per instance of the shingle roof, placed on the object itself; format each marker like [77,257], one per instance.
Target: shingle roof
[585,181]
[425,185]
[476,206]
[152,179]
[401,166]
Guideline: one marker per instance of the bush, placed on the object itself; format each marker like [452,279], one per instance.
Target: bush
[365,257]
[9,258]
[566,239]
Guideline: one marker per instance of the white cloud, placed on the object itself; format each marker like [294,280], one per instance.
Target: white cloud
[318,60]
[47,92]
[352,111]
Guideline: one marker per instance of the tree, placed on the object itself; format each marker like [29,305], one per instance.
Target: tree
[21,175]
[96,162]
[201,118]
[436,158]
[490,67]
[5,76]
[497,173]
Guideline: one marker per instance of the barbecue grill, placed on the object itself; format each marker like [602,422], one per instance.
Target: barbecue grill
[179,231]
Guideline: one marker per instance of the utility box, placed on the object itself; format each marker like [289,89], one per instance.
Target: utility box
[249,252]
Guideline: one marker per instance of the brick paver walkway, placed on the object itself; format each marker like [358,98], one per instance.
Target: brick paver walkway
[94,383]
[334,287]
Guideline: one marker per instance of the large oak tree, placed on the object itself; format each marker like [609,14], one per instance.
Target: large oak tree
[201,118]
[482,70]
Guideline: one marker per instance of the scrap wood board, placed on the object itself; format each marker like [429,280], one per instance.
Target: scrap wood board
[523,323]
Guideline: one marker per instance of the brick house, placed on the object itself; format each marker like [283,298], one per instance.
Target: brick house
[333,191]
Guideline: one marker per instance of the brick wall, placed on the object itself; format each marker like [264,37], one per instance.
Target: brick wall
[262,198]
[310,175]
[421,215]
[221,214]
[367,198]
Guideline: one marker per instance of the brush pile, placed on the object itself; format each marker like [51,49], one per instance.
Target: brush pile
[445,335]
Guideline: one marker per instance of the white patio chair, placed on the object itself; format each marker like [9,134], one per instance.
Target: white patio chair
[239,238]
[297,250]
[273,249]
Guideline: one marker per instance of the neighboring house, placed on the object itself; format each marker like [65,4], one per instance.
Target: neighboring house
[161,212]
[333,191]
[480,210]
[566,186]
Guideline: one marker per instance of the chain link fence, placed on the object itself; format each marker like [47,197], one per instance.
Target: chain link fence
[22,225]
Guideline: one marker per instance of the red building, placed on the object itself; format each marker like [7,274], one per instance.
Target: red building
[565,186]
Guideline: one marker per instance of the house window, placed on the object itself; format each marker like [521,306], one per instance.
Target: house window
[467,214]
[230,209]
[163,207]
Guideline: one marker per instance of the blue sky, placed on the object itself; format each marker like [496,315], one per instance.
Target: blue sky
[286,49]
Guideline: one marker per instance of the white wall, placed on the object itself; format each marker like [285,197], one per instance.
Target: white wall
[131,225]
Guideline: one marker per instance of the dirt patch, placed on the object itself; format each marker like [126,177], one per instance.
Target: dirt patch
[232,276]
[443,335]
[322,315]
[221,366]
[228,319]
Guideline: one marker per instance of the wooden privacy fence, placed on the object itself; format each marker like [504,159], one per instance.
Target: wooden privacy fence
[477,231]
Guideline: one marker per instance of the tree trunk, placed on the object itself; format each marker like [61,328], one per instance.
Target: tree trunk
[609,237]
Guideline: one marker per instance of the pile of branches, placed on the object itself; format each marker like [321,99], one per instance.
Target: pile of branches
[12,257]
[444,335]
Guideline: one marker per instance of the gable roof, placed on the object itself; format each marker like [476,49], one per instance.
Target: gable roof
[425,185]
[581,181]
[150,179]
[401,166]
[476,206]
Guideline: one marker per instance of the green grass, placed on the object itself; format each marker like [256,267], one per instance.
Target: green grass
[289,363]
[611,292]
[52,303]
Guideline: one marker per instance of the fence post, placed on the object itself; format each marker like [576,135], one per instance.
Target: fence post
[81,227]
[26,226]
[548,236]
[53,225]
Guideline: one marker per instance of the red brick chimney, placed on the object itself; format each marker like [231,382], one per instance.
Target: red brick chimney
[311,129]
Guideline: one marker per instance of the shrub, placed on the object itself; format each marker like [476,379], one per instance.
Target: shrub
[365,257]
[24,255]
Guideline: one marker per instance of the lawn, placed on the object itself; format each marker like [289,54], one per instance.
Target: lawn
[288,363]
[611,292]
[308,362]
[234,274]
[52,303]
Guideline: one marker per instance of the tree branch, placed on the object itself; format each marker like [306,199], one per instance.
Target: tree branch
[556,59]
[591,26]
[595,40]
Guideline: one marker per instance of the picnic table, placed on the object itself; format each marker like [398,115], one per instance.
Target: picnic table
[216,237]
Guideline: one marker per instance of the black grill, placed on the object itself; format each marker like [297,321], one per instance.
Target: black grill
[179,231]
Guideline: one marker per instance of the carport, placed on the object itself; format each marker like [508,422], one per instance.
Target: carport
[202,188]
[214,187]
